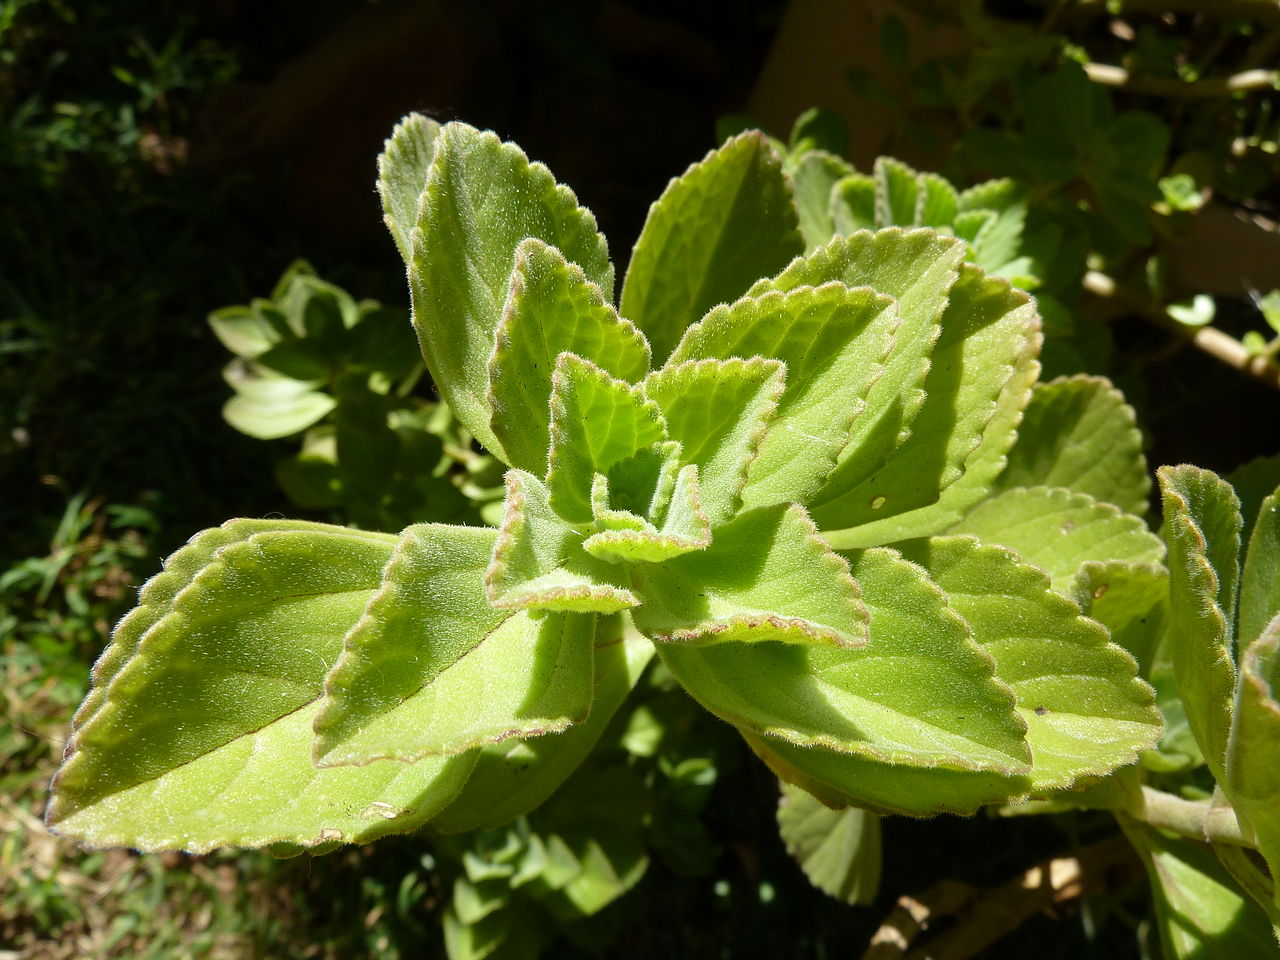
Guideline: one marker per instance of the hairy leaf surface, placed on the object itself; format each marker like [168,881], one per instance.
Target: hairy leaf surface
[834,341]
[1078,432]
[597,422]
[727,221]
[920,693]
[1086,710]
[1202,528]
[814,177]
[402,176]
[684,530]
[1130,600]
[719,411]
[431,668]
[203,738]
[483,197]
[1260,579]
[980,377]
[551,308]
[1058,531]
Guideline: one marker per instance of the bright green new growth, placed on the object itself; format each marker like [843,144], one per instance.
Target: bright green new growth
[714,469]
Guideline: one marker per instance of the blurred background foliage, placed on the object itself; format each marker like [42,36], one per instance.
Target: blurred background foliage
[161,161]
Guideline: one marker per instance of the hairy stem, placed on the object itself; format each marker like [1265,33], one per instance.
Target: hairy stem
[1221,346]
[1113,76]
[1197,819]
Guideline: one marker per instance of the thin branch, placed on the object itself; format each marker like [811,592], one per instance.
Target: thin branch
[1221,346]
[1113,76]
[984,916]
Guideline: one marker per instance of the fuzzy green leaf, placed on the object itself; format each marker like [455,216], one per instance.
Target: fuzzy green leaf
[1260,579]
[268,406]
[1087,712]
[431,668]
[980,378]
[853,204]
[896,193]
[482,198]
[999,243]
[1130,600]
[838,850]
[766,576]
[685,529]
[834,341]
[597,422]
[920,693]
[937,203]
[718,411]
[918,269]
[1058,530]
[814,177]
[1253,752]
[516,776]
[1202,529]
[402,176]
[727,221]
[204,736]
[551,309]
[538,561]
[1079,433]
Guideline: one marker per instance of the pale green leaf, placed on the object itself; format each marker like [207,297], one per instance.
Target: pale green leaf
[1087,712]
[814,177]
[514,777]
[1253,752]
[483,197]
[918,269]
[551,308]
[1078,432]
[727,221]
[1130,600]
[853,204]
[1253,482]
[538,560]
[999,243]
[268,407]
[937,203]
[402,176]
[431,668]
[685,529]
[597,422]
[204,736]
[1200,912]
[920,693]
[896,193]
[1260,579]
[1058,531]
[834,341]
[978,383]
[1202,529]
[838,850]
[244,331]
[766,576]
[718,410]
[841,779]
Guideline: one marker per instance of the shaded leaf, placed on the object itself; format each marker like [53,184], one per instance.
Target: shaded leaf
[727,221]
[1130,600]
[1078,432]
[1202,529]
[814,177]
[1260,579]
[483,197]
[685,529]
[853,204]
[838,850]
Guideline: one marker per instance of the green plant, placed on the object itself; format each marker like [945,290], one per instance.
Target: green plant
[312,359]
[713,471]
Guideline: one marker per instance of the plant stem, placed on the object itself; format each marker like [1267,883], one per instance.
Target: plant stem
[1210,340]
[1113,76]
[1197,819]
